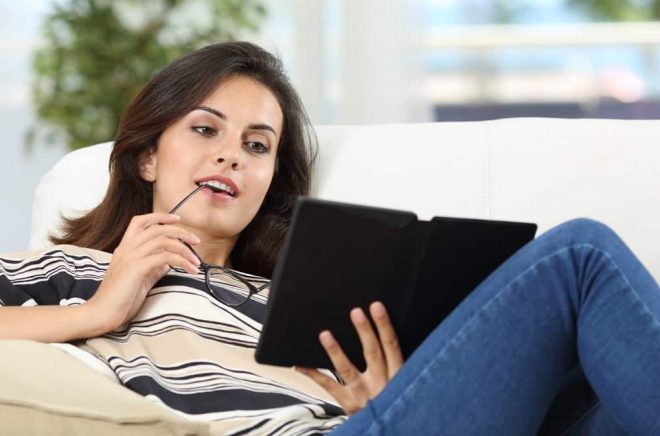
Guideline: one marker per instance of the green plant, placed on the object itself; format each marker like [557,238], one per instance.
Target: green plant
[621,10]
[99,53]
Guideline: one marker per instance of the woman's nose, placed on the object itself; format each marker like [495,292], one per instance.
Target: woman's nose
[229,152]
[232,162]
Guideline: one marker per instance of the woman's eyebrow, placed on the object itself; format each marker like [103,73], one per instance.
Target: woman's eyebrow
[217,113]
[261,127]
[211,111]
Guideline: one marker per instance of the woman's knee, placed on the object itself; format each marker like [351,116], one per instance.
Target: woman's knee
[580,231]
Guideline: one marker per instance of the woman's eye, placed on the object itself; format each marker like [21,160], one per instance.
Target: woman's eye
[258,147]
[204,130]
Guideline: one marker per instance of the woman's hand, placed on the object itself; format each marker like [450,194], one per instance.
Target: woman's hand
[149,247]
[382,354]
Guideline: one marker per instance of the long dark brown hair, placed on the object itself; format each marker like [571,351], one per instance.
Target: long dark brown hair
[170,95]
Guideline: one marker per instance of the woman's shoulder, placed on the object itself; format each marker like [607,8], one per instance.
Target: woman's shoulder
[58,274]
[71,252]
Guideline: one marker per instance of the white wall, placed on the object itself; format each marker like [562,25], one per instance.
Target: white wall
[348,63]
[19,170]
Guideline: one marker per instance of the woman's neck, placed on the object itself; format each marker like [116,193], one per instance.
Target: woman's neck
[216,252]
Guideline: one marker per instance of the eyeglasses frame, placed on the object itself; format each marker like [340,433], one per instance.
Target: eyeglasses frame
[207,267]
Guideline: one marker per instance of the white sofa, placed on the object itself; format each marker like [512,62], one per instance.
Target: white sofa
[541,170]
[531,169]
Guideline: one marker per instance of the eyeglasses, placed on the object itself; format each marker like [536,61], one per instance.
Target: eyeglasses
[227,285]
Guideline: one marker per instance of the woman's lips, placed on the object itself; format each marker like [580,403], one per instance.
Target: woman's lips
[221,196]
[218,182]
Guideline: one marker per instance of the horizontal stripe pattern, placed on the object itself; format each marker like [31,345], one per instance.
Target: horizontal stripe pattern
[185,350]
[60,275]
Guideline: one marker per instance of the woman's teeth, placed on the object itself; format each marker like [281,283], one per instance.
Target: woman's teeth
[217,186]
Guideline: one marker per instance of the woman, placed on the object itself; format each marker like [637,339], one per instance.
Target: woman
[225,123]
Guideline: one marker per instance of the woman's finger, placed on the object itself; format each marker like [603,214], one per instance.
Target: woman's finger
[350,403]
[167,232]
[141,222]
[164,244]
[371,348]
[326,382]
[343,366]
[160,263]
[170,231]
[388,338]
[143,230]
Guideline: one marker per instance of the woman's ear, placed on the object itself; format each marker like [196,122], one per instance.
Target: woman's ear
[148,165]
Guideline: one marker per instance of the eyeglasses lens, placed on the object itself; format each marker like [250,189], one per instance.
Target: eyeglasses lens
[227,288]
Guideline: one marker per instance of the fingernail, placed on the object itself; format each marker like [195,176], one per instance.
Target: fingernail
[378,309]
[195,239]
[326,338]
[358,315]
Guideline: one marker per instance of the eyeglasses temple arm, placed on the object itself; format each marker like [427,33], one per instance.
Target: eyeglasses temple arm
[194,191]
[186,198]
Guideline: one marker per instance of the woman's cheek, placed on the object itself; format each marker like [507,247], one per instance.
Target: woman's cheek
[264,181]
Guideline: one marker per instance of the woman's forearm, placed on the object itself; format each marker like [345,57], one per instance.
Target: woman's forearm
[49,323]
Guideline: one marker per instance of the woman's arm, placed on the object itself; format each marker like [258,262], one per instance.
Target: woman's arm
[151,245]
[50,323]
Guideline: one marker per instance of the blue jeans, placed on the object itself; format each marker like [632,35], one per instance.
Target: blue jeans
[574,297]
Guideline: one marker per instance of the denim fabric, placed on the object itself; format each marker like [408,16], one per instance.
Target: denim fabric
[574,296]
[597,422]
[577,410]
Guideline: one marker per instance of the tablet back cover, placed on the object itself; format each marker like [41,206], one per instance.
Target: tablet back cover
[324,272]
[339,256]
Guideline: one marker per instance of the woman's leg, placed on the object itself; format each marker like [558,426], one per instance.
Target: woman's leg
[496,363]
[597,422]
[577,411]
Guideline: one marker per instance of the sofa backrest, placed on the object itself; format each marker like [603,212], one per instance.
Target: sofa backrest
[527,169]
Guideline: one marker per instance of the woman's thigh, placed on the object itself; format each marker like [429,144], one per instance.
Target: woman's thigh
[577,411]
[597,422]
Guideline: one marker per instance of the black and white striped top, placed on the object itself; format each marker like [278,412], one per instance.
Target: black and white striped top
[184,350]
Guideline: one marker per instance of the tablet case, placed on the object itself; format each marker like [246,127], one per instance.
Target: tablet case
[338,256]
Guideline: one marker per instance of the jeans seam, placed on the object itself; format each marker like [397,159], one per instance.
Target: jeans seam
[630,286]
[637,298]
[505,288]
[375,421]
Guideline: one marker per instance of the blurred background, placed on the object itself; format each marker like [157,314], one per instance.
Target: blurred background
[68,67]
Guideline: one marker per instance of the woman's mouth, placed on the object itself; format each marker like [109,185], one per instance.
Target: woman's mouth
[218,187]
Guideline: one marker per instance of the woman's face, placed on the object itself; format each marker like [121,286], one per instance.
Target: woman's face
[230,140]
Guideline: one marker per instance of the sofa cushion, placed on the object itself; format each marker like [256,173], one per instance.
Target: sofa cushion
[33,401]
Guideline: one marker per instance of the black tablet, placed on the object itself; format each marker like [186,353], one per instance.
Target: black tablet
[339,256]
